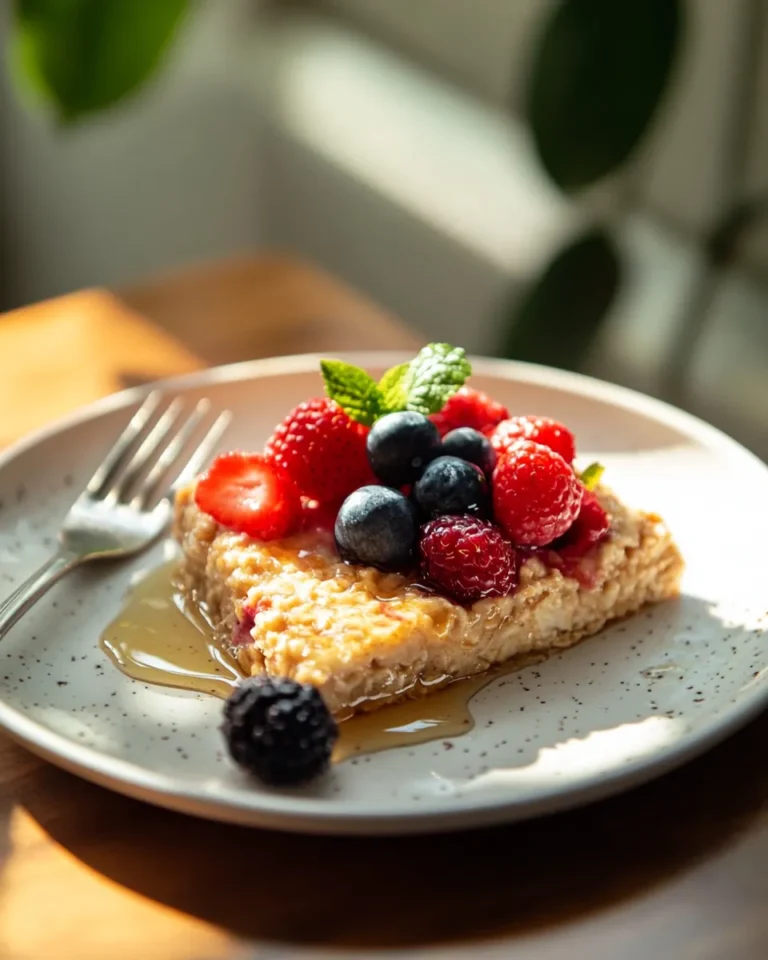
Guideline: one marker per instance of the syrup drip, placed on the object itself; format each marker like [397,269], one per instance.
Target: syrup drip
[160,638]
[435,716]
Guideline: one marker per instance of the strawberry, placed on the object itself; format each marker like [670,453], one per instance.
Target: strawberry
[469,408]
[249,494]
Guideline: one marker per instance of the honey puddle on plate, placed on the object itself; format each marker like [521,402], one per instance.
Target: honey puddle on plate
[160,638]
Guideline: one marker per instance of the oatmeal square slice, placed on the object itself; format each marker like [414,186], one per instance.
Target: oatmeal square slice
[292,608]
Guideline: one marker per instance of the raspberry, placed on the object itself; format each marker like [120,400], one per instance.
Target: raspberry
[541,430]
[536,494]
[323,450]
[247,493]
[589,528]
[469,408]
[467,558]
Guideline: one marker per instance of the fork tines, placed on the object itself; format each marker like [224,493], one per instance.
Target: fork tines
[156,452]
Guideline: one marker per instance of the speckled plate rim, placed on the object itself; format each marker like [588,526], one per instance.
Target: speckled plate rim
[305,814]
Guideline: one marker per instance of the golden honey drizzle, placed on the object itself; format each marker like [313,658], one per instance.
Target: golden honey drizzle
[160,638]
[434,716]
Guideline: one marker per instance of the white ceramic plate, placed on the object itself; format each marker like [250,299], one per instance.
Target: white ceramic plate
[627,705]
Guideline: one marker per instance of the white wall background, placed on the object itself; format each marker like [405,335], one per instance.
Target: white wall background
[484,46]
[171,177]
[430,197]
[175,175]
[376,137]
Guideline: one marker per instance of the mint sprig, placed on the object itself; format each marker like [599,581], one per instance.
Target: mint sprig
[394,387]
[353,389]
[591,475]
[436,374]
[423,385]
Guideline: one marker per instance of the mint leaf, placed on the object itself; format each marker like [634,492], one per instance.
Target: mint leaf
[355,391]
[423,385]
[591,475]
[394,388]
[435,374]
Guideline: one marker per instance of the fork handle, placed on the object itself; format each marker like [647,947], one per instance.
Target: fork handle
[29,592]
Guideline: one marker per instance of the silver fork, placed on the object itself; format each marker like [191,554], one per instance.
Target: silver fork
[127,502]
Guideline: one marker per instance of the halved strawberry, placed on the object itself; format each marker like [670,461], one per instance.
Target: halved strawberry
[249,494]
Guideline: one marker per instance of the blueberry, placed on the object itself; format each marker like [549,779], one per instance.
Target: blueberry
[471,445]
[451,485]
[400,445]
[377,526]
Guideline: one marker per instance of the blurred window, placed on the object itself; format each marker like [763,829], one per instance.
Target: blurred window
[478,44]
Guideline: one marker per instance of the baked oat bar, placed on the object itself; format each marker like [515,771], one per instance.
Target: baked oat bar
[291,608]
[392,537]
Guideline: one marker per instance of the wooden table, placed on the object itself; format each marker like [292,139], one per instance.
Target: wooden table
[677,869]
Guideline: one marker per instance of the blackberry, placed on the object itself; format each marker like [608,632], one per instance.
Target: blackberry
[279,730]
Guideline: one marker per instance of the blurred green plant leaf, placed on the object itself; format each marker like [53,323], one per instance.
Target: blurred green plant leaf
[557,319]
[82,56]
[598,76]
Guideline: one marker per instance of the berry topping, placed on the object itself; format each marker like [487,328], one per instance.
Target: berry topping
[250,494]
[377,526]
[279,730]
[451,485]
[318,516]
[469,408]
[541,430]
[471,445]
[592,475]
[423,385]
[322,449]
[241,631]
[589,528]
[536,494]
[400,445]
[468,558]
